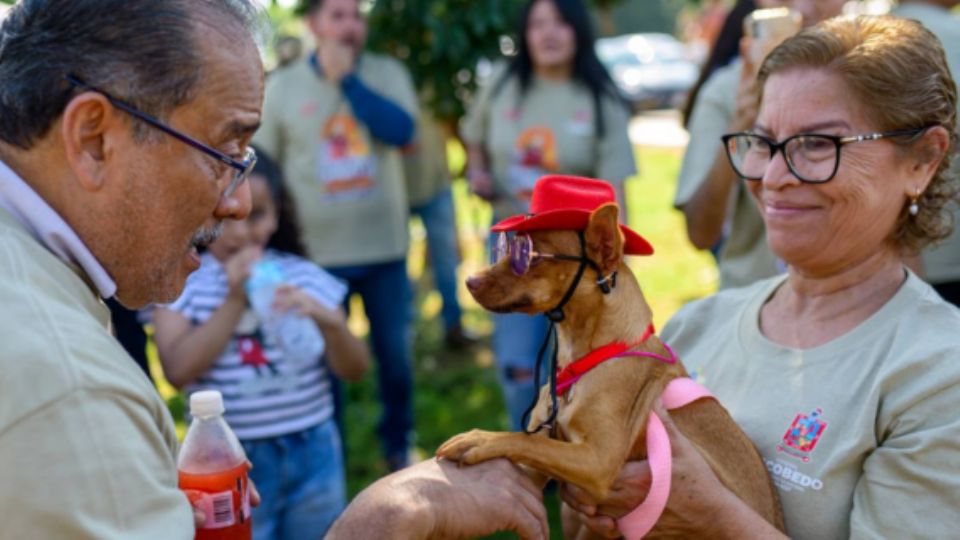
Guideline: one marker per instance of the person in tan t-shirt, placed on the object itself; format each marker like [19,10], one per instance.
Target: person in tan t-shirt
[844,371]
[719,212]
[336,121]
[124,127]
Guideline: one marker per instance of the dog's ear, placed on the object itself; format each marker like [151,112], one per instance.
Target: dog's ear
[604,241]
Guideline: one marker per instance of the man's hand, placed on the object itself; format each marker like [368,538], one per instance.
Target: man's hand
[199,518]
[438,499]
[336,60]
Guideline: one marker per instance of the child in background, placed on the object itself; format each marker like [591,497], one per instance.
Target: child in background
[281,411]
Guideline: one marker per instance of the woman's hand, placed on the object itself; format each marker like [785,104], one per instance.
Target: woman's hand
[628,491]
[696,494]
[748,93]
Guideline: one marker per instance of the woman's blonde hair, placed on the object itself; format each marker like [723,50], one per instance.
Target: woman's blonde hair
[898,71]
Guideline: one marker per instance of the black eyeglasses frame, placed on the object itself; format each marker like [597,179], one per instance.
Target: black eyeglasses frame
[243,168]
[838,141]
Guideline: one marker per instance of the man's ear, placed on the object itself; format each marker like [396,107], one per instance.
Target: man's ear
[604,241]
[85,126]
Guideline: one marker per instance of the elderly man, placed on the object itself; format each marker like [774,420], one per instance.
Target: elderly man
[123,143]
[123,133]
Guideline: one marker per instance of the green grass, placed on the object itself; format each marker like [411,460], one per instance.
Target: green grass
[458,391]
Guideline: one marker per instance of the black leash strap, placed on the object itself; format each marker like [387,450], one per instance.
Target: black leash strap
[555,315]
[548,423]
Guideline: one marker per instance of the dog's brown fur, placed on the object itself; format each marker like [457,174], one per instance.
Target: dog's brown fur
[602,420]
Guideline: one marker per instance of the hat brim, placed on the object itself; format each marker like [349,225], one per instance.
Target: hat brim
[571,219]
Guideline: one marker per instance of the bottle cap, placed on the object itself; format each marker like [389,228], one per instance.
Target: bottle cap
[206,403]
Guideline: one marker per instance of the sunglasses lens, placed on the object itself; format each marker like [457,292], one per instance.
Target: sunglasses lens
[501,249]
[520,254]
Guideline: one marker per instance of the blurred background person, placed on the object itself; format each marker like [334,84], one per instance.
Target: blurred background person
[552,109]
[129,331]
[335,122]
[708,190]
[428,190]
[288,49]
[280,407]
[725,49]
[940,265]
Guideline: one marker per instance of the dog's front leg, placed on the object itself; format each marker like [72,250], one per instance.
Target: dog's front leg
[578,463]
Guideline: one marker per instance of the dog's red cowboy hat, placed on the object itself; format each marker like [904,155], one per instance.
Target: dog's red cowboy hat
[566,202]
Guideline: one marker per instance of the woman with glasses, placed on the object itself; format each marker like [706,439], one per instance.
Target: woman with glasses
[553,109]
[846,371]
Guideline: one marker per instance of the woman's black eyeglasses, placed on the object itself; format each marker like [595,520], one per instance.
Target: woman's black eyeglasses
[243,168]
[811,157]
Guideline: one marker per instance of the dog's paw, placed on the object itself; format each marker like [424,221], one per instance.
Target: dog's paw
[468,448]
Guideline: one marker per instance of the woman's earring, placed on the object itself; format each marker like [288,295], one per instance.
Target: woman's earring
[914,207]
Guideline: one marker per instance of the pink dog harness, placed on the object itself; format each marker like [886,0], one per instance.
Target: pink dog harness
[679,392]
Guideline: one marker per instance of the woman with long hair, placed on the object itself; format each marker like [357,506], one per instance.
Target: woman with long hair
[552,109]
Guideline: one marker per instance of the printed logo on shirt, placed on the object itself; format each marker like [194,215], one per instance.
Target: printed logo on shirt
[787,478]
[345,166]
[308,108]
[803,435]
[580,124]
[535,154]
[251,352]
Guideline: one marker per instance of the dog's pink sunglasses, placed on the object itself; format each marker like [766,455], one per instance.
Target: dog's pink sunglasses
[519,248]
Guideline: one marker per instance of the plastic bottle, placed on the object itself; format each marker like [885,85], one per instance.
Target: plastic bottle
[213,471]
[297,336]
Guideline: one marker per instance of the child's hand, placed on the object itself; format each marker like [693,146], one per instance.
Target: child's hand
[238,270]
[289,297]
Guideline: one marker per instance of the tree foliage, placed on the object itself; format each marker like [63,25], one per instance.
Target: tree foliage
[441,43]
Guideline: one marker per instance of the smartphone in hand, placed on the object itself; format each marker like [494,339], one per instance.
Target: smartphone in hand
[767,28]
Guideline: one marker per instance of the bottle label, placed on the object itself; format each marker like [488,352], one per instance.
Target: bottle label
[217,508]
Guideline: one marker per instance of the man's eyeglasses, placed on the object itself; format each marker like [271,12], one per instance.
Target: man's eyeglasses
[242,168]
[519,248]
[813,158]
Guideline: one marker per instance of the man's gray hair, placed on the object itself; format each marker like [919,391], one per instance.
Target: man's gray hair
[144,51]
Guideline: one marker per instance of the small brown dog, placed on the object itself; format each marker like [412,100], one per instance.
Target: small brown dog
[601,422]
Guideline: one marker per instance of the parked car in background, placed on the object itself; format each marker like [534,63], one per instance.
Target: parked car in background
[652,70]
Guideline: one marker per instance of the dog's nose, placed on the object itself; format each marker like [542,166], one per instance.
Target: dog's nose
[473,283]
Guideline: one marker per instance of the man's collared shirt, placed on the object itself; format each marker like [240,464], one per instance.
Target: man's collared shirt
[46,225]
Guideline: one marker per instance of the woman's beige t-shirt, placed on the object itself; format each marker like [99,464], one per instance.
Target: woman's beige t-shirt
[862,434]
[548,130]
